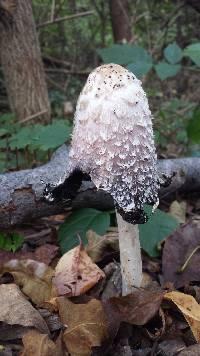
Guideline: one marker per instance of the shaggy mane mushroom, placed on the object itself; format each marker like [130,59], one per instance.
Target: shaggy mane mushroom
[113,144]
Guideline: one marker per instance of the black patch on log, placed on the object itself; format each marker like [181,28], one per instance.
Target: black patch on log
[68,189]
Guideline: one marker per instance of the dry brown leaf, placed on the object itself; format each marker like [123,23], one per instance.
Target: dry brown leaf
[190,309]
[44,253]
[178,210]
[75,273]
[193,350]
[139,307]
[86,324]
[16,309]
[181,246]
[97,244]
[34,277]
[37,344]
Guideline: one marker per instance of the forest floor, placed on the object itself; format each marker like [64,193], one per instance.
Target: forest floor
[53,305]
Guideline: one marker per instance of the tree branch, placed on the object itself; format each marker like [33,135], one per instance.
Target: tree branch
[21,192]
[65,18]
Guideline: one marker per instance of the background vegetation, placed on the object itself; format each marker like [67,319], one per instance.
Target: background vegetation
[164,51]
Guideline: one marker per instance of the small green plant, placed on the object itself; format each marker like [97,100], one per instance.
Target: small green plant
[21,146]
[11,241]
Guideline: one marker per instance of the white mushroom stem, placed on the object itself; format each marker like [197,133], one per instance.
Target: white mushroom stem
[130,255]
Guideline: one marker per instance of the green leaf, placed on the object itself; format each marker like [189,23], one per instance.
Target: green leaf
[53,135]
[117,53]
[158,227]
[3,132]
[139,68]
[165,70]
[193,51]
[2,166]
[137,58]
[42,137]
[193,128]
[11,242]
[173,53]
[7,117]
[79,222]
[3,143]
[22,138]
[141,62]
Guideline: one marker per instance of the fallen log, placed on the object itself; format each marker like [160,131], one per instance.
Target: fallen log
[21,192]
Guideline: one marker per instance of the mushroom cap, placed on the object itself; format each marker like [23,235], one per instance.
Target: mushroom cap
[113,139]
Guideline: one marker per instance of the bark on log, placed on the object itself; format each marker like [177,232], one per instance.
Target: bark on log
[21,62]
[21,192]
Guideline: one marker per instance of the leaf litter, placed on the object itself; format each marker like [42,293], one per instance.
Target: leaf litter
[76,307]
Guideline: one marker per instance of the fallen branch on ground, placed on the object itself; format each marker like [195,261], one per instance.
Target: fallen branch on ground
[21,192]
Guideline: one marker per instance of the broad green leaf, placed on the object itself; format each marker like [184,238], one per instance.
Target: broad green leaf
[193,128]
[193,51]
[79,222]
[54,135]
[11,241]
[173,53]
[158,227]
[141,62]
[41,137]
[117,53]
[22,138]
[138,60]
[165,70]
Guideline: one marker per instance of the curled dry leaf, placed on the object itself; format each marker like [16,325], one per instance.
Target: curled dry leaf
[139,307]
[181,254]
[34,277]
[97,245]
[86,325]
[190,309]
[16,309]
[37,344]
[75,273]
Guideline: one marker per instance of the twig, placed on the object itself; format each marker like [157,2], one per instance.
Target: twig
[53,9]
[55,84]
[184,266]
[31,117]
[38,235]
[56,61]
[66,71]
[65,18]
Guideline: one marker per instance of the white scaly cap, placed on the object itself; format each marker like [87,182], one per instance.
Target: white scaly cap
[113,139]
